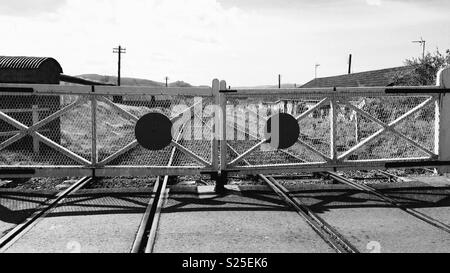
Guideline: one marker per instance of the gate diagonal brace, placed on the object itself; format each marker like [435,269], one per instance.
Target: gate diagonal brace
[387,128]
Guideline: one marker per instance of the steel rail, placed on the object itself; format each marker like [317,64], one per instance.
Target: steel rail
[392,201]
[16,233]
[393,176]
[143,226]
[331,236]
[162,196]
[150,219]
[323,229]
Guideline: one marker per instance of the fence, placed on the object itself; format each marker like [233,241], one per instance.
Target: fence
[217,130]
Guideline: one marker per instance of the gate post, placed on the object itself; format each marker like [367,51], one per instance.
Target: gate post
[35,119]
[215,139]
[442,125]
[94,152]
[333,129]
[221,122]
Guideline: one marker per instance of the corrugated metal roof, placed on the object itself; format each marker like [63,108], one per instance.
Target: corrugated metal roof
[382,77]
[23,62]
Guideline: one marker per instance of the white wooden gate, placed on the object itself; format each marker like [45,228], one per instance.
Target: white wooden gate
[223,131]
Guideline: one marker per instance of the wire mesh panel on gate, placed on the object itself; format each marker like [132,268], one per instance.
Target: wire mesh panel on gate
[45,130]
[116,143]
[335,128]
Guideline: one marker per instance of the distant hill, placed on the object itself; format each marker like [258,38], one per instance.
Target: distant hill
[131,81]
[285,85]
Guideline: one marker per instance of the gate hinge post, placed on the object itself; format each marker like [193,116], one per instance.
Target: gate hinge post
[215,138]
[221,123]
[221,180]
[442,121]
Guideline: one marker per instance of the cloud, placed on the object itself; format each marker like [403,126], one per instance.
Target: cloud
[278,4]
[179,37]
[198,40]
[201,39]
[30,7]
[374,2]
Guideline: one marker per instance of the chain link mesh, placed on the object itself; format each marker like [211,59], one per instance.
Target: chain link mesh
[419,127]
[352,127]
[70,130]
[118,131]
[68,137]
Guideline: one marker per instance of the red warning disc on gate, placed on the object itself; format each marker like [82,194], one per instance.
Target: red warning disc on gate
[282,131]
[153,131]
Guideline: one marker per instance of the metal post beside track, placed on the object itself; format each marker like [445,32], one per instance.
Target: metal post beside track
[333,129]
[94,159]
[221,123]
[442,121]
[215,139]
[35,119]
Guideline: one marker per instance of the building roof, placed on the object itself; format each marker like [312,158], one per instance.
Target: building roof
[23,62]
[382,77]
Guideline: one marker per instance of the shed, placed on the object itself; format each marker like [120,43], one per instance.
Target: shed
[22,69]
[29,109]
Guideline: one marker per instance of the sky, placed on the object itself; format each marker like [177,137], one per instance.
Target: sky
[245,42]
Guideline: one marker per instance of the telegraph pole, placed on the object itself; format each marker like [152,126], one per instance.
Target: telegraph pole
[119,50]
[167,81]
[279,81]
[350,64]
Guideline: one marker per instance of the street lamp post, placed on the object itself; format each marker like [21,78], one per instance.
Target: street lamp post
[315,70]
[423,43]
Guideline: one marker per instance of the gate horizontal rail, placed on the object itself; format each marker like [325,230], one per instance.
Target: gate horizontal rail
[83,131]
[52,89]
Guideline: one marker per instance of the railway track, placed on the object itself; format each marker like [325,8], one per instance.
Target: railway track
[365,188]
[17,232]
[330,235]
[148,227]
[368,189]
[146,235]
